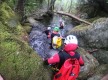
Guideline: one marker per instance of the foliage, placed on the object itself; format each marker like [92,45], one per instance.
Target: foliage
[12,3]
[32,5]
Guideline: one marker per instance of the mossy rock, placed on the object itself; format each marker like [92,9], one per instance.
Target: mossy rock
[17,60]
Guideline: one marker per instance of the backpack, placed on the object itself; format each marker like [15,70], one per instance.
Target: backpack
[56,42]
[69,70]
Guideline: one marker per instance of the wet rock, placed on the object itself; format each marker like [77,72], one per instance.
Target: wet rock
[103,4]
[39,43]
[90,64]
[40,14]
[101,55]
[87,9]
[100,73]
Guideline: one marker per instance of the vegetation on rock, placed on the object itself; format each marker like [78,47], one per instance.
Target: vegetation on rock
[17,60]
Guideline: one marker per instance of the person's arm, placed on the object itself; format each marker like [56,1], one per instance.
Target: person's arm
[49,35]
[54,59]
[81,61]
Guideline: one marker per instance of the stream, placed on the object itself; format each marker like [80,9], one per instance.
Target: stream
[38,39]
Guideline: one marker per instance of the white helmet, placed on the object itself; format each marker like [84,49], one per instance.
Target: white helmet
[49,28]
[71,39]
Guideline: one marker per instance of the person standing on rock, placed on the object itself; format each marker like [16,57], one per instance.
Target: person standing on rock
[53,34]
[61,23]
[48,32]
[70,45]
[61,26]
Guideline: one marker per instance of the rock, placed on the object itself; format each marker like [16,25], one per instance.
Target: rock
[90,64]
[100,73]
[94,37]
[87,9]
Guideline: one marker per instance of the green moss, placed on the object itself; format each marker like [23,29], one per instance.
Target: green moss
[80,28]
[17,60]
[9,46]
[5,12]
[4,35]
[27,28]
[93,19]
[20,29]
[9,20]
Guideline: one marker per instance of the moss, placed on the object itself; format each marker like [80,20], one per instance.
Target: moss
[17,60]
[27,28]
[8,18]
[93,19]
[6,12]
[79,28]
[9,46]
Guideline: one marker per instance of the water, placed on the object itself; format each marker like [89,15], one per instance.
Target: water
[38,39]
[68,25]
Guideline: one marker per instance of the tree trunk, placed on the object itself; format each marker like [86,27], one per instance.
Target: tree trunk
[70,7]
[51,7]
[20,7]
[72,16]
[48,3]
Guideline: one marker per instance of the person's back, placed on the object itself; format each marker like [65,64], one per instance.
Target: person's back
[70,45]
[69,67]
[54,33]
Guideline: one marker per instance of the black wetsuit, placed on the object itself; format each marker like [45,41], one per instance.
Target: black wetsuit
[47,32]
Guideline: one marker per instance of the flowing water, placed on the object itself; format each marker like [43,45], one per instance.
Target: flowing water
[38,39]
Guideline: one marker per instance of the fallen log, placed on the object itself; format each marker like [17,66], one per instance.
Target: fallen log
[72,16]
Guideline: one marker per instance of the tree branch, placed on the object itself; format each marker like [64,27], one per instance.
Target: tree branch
[72,16]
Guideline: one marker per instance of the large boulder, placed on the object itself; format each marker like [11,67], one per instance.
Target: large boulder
[100,73]
[94,37]
[103,4]
[90,64]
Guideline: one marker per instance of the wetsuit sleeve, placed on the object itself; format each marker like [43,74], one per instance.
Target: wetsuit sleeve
[54,59]
[81,61]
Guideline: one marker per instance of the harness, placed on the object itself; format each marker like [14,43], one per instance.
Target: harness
[63,57]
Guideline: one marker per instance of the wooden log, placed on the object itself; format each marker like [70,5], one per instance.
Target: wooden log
[72,16]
